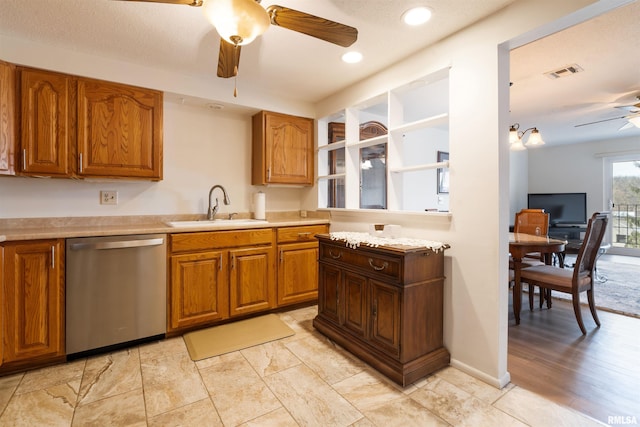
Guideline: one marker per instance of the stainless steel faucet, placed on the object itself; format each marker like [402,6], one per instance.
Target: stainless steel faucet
[211,213]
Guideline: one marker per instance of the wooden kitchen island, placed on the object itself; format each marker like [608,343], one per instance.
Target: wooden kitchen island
[384,304]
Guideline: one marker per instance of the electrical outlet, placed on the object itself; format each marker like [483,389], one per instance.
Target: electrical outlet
[108,197]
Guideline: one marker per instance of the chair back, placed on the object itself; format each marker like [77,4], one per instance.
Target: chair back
[585,262]
[532,221]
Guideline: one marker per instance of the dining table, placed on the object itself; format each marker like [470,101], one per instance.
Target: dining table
[521,244]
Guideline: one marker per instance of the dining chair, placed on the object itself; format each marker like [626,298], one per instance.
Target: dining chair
[578,280]
[535,222]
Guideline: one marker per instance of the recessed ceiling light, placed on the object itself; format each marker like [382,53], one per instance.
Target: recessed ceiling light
[416,16]
[352,57]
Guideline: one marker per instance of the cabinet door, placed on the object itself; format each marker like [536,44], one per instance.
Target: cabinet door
[33,302]
[297,273]
[283,149]
[355,303]
[8,141]
[252,280]
[329,287]
[119,130]
[46,132]
[385,317]
[199,289]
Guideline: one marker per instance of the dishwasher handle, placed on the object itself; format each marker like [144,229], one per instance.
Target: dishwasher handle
[118,244]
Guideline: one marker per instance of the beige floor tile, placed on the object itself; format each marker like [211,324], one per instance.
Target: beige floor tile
[109,375]
[471,385]
[201,414]
[8,386]
[65,373]
[403,413]
[310,400]
[164,348]
[368,390]
[170,383]
[51,407]
[330,362]
[447,401]
[237,391]
[278,418]
[126,409]
[270,358]
[535,410]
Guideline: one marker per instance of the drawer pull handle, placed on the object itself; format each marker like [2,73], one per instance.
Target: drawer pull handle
[378,267]
[335,256]
[304,235]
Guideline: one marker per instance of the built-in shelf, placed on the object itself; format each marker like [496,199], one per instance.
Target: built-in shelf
[426,166]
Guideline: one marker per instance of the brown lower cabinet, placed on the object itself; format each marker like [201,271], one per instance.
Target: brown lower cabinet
[384,305]
[220,274]
[32,275]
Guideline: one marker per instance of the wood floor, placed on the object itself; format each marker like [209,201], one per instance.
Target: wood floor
[597,374]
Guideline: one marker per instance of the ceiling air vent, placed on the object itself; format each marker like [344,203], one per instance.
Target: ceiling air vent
[564,72]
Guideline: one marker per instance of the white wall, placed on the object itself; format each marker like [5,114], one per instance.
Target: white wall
[201,148]
[575,168]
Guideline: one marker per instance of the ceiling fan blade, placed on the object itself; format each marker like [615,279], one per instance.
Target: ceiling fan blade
[228,59]
[311,25]
[601,121]
[187,2]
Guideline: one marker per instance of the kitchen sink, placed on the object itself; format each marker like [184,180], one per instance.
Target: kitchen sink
[215,223]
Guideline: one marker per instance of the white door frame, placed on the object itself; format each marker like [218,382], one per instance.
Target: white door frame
[608,162]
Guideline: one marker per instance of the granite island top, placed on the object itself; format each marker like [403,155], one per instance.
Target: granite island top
[13,229]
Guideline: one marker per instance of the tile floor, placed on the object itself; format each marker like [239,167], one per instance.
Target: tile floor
[303,380]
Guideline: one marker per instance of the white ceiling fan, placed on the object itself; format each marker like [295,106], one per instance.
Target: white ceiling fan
[633,116]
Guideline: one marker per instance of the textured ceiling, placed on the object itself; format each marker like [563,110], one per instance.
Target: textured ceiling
[179,38]
[607,48]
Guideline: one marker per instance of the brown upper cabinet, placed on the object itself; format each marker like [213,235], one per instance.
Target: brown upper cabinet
[79,127]
[283,148]
[7,118]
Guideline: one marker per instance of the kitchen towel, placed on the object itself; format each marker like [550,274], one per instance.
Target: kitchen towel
[259,202]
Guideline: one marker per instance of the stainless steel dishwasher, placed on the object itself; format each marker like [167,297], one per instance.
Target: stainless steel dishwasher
[115,291]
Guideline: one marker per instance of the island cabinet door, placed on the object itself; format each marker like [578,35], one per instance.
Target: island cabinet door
[355,304]
[199,289]
[385,317]
[252,280]
[329,298]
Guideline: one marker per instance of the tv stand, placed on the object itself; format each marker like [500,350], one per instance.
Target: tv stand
[573,234]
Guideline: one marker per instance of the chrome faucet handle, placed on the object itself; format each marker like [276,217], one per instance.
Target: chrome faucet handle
[232,214]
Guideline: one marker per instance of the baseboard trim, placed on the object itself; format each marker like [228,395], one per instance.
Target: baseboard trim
[496,382]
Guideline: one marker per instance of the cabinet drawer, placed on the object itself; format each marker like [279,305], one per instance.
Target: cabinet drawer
[368,262]
[300,234]
[187,242]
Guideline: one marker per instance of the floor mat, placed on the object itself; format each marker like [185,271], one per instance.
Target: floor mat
[235,336]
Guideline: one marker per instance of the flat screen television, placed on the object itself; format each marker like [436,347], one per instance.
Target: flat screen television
[563,208]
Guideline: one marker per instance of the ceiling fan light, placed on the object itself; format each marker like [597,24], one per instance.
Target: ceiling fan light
[535,139]
[416,16]
[237,21]
[635,121]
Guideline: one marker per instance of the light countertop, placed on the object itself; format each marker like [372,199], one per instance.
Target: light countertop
[67,227]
